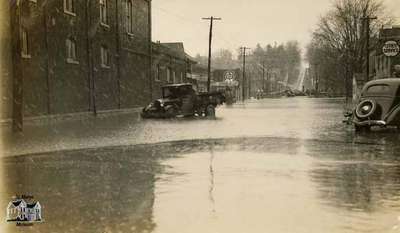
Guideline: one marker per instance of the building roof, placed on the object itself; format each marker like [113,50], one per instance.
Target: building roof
[392,32]
[176,46]
[18,202]
[190,59]
[175,49]
[32,205]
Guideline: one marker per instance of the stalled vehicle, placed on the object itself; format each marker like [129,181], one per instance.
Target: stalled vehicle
[379,105]
[183,100]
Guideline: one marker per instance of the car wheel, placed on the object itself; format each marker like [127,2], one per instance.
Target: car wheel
[171,112]
[210,111]
[365,109]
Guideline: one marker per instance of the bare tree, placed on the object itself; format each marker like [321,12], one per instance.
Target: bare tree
[340,36]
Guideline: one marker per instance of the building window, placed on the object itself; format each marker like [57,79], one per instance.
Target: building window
[181,77]
[129,17]
[24,43]
[103,12]
[174,77]
[168,75]
[70,45]
[69,7]
[157,75]
[105,57]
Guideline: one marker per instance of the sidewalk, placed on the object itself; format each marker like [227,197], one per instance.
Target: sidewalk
[63,132]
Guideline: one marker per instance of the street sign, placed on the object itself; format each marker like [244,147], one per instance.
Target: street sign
[229,76]
[391,48]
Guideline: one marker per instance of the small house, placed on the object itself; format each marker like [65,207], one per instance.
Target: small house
[16,210]
[20,211]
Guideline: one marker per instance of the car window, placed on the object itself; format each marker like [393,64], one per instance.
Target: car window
[186,90]
[169,93]
[381,89]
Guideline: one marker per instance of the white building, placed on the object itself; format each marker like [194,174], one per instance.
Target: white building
[19,210]
[34,211]
[16,210]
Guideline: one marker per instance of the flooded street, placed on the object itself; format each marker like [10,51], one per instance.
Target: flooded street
[300,118]
[276,165]
[141,116]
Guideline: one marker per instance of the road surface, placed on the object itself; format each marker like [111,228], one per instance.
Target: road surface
[276,165]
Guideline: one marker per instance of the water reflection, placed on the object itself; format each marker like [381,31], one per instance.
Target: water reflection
[86,192]
[230,185]
[358,177]
[364,186]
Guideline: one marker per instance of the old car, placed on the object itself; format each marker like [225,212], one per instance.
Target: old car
[182,100]
[379,105]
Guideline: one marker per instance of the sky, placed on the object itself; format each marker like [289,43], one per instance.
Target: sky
[244,22]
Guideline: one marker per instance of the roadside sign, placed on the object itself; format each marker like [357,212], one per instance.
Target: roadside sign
[229,76]
[391,48]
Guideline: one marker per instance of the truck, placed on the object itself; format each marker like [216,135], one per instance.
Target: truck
[182,100]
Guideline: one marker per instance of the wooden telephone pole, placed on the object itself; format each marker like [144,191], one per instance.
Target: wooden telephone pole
[18,81]
[244,72]
[263,76]
[367,20]
[212,18]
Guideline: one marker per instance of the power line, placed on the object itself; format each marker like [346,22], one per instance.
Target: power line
[193,22]
[181,17]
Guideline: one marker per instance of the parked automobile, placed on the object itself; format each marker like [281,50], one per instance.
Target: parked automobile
[379,105]
[182,99]
[299,93]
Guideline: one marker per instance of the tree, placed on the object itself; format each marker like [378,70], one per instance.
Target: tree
[279,61]
[293,56]
[201,60]
[223,59]
[340,37]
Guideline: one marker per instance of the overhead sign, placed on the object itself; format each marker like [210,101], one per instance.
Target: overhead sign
[391,48]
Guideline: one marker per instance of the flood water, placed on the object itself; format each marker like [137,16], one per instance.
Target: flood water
[236,185]
[302,118]
[329,180]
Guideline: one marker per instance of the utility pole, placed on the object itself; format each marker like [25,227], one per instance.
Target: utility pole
[249,84]
[263,76]
[367,20]
[212,18]
[244,72]
[90,57]
[316,78]
[268,86]
[47,57]
[118,55]
[18,81]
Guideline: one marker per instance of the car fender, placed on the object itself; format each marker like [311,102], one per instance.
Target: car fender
[393,115]
[170,105]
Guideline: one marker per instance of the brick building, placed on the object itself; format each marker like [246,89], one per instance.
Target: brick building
[171,64]
[6,86]
[78,56]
